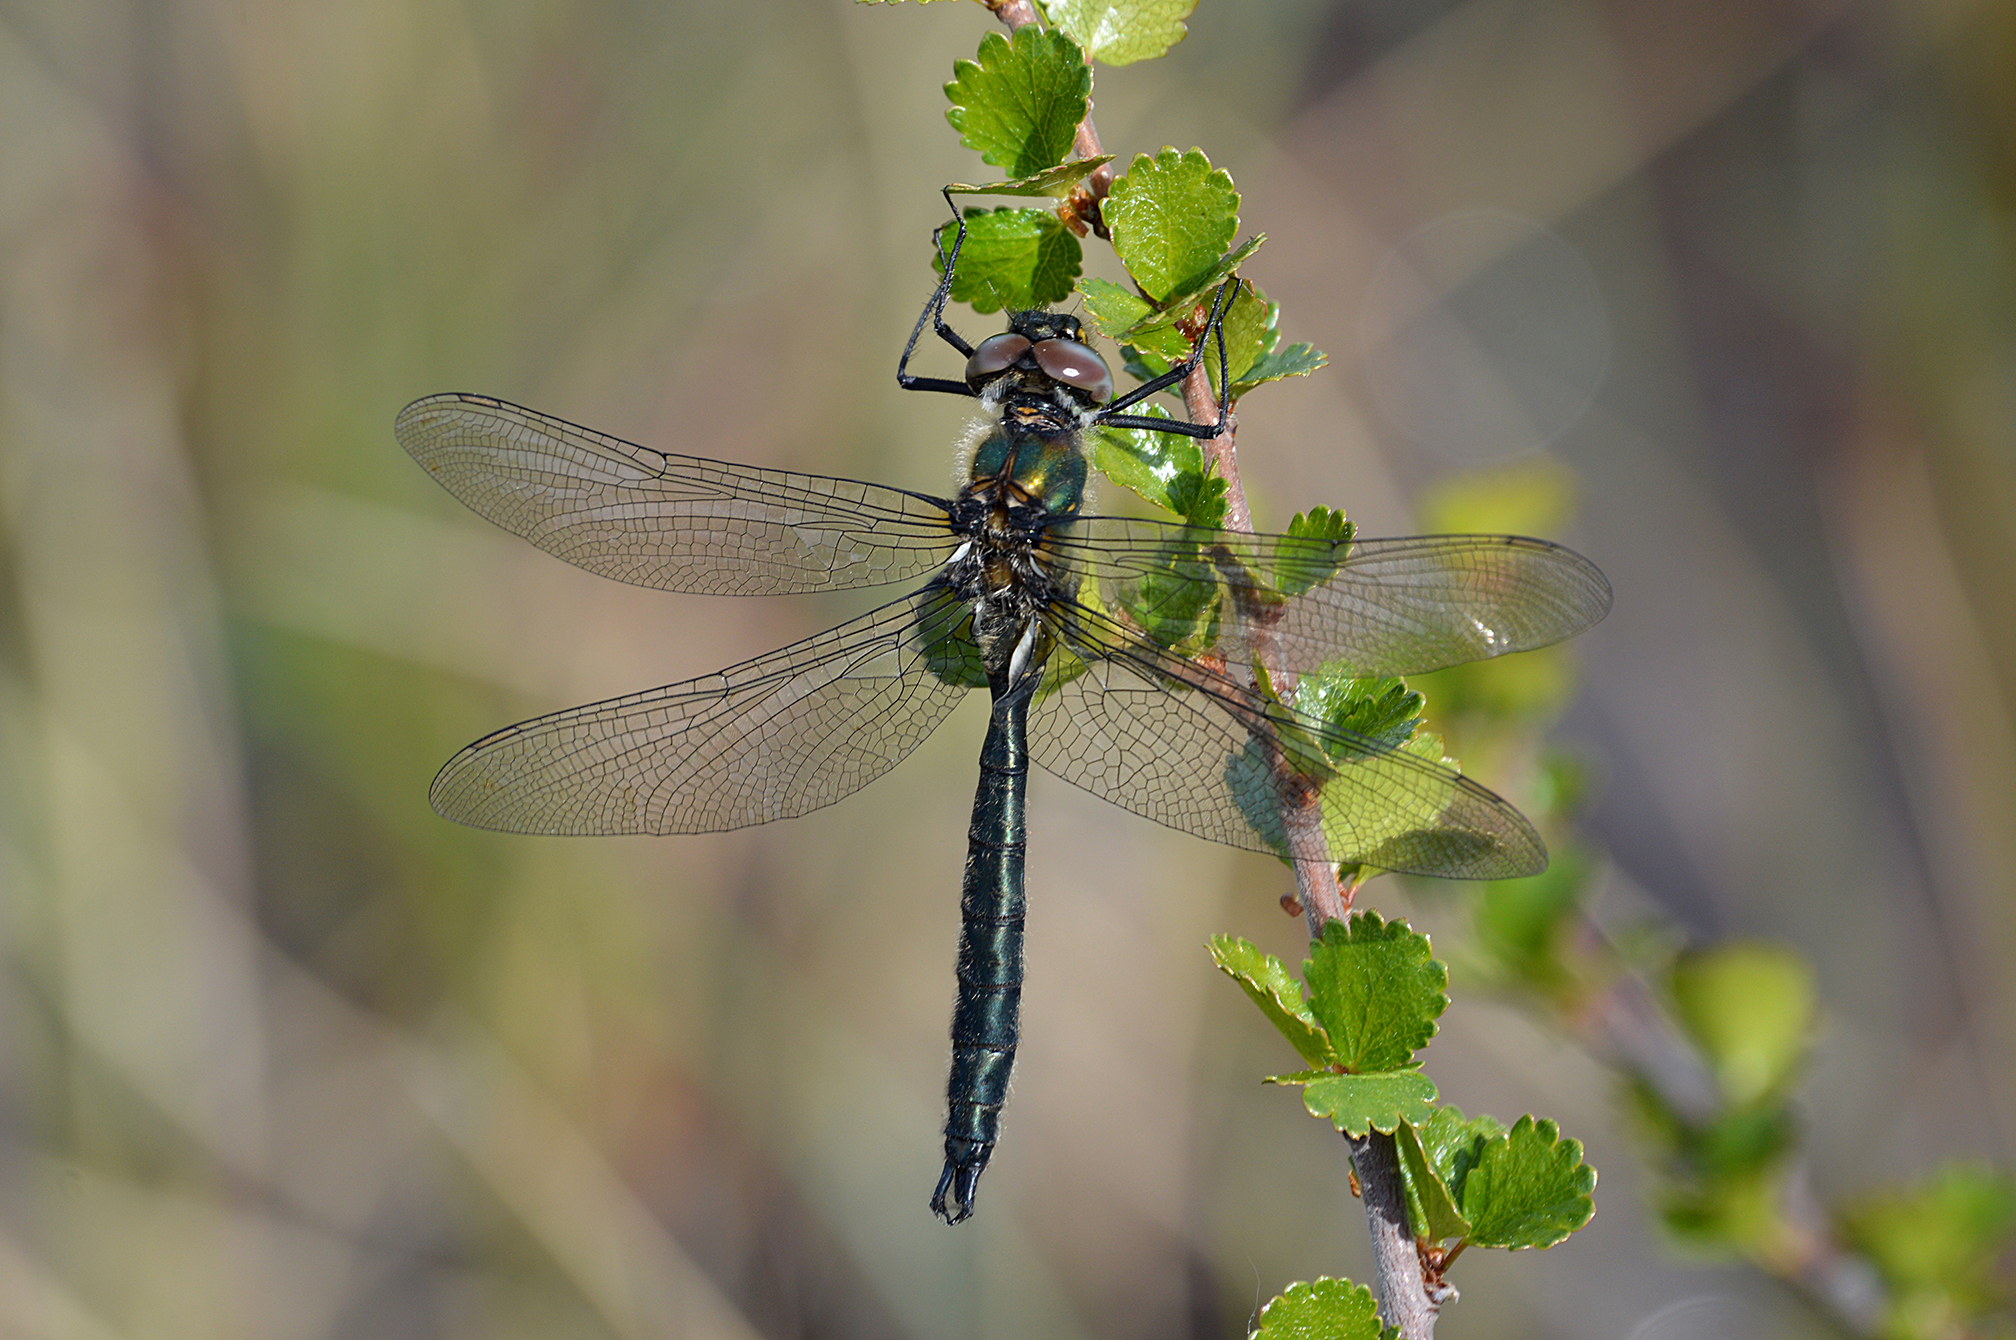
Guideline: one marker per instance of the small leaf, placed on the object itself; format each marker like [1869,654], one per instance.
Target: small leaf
[1112,307]
[1431,1210]
[1144,461]
[1054,182]
[1120,32]
[1199,499]
[1376,989]
[1325,1309]
[1297,360]
[1384,711]
[1195,298]
[1019,104]
[1171,216]
[1749,1007]
[1530,1188]
[1015,258]
[1325,537]
[1267,981]
[1452,1141]
[1356,1104]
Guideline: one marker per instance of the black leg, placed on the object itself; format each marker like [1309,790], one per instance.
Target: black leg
[1214,327]
[934,311]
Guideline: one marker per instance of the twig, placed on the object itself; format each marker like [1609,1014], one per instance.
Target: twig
[1401,1285]
[1399,1281]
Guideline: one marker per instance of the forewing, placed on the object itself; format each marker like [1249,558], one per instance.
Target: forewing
[1389,607]
[778,736]
[1180,743]
[678,523]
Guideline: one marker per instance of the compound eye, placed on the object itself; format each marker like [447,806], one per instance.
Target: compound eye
[996,354]
[1077,366]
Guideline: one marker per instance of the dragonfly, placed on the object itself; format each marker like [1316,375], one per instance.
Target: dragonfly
[1148,662]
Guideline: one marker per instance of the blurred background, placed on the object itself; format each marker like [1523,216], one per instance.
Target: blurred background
[283,1055]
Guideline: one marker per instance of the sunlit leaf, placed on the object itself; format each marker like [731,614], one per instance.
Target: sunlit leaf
[1323,1309]
[1269,984]
[1529,1188]
[1055,182]
[1357,1104]
[1018,104]
[1014,258]
[1376,989]
[1171,217]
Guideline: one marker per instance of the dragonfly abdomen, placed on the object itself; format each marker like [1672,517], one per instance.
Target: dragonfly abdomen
[986,1021]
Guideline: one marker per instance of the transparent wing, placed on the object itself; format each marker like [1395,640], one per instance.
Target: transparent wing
[1185,745]
[778,736]
[1382,607]
[678,523]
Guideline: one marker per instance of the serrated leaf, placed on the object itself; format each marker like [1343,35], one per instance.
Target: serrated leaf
[1356,1104]
[1111,306]
[1322,541]
[1384,711]
[1269,984]
[1749,1008]
[1376,989]
[1431,1210]
[1199,499]
[1297,360]
[1530,1188]
[1171,216]
[1144,461]
[1323,1309]
[1019,102]
[1054,182]
[1016,258]
[1452,1141]
[1196,297]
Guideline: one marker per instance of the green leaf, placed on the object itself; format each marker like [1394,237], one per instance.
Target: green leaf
[1452,1142]
[1199,499]
[1267,981]
[1944,1233]
[1325,537]
[1146,462]
[1112,307]
[1326,1309]
[1376,989]
[1019,104]
[1297,360]
[1529,1188]
[1120,32]
[1431,1210]
[1384,711]
[1016,258]
[1195,298]
[1356,1104]
[1054,182]
[1171,216]
[1749,1008]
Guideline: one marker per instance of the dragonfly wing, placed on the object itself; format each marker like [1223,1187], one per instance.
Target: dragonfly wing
[678,523]
[1380,607]
[1177,742]
[774,737]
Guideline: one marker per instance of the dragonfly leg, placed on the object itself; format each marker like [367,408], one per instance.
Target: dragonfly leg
[934,312]
[1213,328]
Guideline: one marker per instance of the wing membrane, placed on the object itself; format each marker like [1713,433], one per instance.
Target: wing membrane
[678,523]
[774,737]
[1391,607]
[1185,745]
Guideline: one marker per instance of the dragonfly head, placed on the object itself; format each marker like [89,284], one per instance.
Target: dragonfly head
[1043,350]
